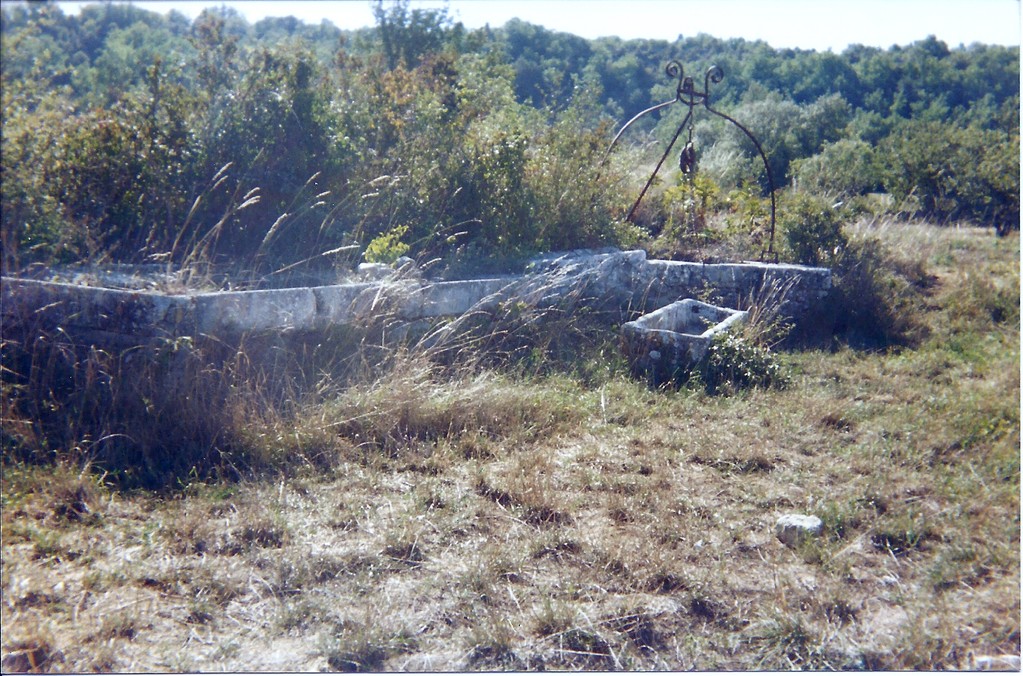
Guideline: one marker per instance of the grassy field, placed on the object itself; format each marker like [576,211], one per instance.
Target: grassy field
[430,517]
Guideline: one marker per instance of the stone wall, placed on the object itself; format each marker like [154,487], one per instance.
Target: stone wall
[627,280]
[116,316]
[624,282]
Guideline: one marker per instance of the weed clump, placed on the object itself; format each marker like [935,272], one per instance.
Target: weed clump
[73,498]
[494,656]
[357,658]
[733,363]
[414,403]
[146,416]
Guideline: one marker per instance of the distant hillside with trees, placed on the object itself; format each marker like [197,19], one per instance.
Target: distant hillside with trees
[134,136]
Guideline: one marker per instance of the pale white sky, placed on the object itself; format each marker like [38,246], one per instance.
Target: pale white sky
[805,24]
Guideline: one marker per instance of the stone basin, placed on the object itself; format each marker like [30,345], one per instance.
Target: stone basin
[674,339]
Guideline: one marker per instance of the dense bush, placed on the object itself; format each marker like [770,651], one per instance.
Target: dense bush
[843,169]
[265,157]
[813,230]
[734,363]
[955,172]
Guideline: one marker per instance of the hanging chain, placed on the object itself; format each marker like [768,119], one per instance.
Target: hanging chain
[687,165]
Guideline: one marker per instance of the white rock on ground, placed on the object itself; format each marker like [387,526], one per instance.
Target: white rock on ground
[793,529]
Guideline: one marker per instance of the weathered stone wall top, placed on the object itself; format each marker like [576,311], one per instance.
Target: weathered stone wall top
[100,313]
[628,279]
[52,304]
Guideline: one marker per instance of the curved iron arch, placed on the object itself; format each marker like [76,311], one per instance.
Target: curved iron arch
[687,94]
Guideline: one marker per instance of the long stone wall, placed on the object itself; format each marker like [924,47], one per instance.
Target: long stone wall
[624,282]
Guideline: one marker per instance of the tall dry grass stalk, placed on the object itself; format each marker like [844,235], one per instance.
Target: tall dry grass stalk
[765,324]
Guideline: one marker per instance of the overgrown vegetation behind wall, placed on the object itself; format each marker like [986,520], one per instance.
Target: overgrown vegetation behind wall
[135,137]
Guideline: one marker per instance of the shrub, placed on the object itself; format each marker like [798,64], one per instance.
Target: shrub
[733,363]
[955,172]
[813,231]
[388,247]
[842,169]
[749,214]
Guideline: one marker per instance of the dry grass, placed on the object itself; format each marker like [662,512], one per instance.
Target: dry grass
[470,519]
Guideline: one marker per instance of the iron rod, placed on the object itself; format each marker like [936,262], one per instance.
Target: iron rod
[650,180]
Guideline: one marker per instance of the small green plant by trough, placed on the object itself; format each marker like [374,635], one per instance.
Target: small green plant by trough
[734,363]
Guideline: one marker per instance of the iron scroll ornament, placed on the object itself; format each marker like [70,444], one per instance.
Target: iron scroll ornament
[687,94]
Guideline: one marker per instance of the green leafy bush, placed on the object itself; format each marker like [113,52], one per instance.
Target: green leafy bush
[813,230]
[734,363]
[843,169]
[955,172]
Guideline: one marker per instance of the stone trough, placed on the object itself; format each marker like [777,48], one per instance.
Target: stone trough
[675,338]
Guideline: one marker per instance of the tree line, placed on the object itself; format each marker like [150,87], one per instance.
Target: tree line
[132,136]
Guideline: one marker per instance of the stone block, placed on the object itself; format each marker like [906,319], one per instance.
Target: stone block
[236,312]
[794,529]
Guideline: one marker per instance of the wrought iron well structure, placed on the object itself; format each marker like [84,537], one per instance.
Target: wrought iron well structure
[688,95]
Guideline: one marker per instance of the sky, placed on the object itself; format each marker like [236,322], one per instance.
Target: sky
[804,24]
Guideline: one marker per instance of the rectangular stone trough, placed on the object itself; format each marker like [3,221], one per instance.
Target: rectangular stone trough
[674,339]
